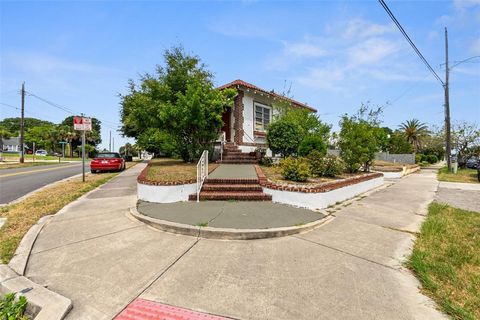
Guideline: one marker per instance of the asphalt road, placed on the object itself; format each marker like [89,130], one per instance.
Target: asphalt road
[15,183]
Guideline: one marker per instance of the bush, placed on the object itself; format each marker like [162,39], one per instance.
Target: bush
[11,309]
[418,158]
[295,169]
[266,161]
[325,166]
[310,143]
[283,137]
[431,158]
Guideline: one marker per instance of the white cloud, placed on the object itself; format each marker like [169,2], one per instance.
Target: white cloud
[475,46]
[372,50]
[358,28]
[43,63]
[465,4]
[304,49]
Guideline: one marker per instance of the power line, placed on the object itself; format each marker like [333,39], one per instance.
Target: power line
[68,110]
[420,55]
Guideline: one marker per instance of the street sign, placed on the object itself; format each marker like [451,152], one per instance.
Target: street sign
[82,123]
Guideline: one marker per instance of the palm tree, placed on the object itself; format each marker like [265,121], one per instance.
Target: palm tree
[415,131]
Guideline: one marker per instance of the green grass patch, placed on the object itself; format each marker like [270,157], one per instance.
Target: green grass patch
[462,175]
[13,165]
[21,216]
[446,259]
[202,224]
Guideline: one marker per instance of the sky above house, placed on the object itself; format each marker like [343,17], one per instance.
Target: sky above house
[334,55]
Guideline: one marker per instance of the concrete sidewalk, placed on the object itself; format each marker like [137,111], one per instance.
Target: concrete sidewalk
[350,268]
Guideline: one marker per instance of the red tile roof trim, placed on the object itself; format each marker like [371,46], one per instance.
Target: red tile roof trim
[319,188]
[240,83]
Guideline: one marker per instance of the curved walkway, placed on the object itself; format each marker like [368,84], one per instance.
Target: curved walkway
[350,268]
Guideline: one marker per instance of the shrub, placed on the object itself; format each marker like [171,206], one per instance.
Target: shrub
[431,158]
[11,309]
[325,166]
[283,137]
[310,143]
[266,161]
[295,169]
[418,158]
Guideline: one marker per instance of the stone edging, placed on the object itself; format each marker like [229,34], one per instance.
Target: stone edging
[225,233]
[320,188]
[142,178]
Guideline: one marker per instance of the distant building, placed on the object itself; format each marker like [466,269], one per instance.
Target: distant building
[11,145]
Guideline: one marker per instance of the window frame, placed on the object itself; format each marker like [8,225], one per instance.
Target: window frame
[263,106]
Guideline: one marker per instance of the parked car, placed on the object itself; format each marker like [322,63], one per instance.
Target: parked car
[472,163]
[107,161]
[41,153]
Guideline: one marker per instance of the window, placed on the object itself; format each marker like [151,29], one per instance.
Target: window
[262,116]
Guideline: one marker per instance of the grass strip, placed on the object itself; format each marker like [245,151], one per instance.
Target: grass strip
[446,259]
[23,215]
[462,175]
[26,164]
[168,170]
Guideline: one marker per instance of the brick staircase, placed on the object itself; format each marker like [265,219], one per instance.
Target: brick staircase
[232,154]
[232,189]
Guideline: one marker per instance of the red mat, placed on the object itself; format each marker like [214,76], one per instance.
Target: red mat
[141,309]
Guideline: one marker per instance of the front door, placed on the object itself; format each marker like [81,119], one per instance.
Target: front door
[226,117]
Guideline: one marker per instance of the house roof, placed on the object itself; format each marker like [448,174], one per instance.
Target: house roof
[240,83]
[15,141]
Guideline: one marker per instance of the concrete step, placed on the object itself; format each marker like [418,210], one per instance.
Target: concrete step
[225,196]
[231,181]
[238,161]
[231,187]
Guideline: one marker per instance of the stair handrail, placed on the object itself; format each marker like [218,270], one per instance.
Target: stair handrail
[223,139]
[202,172]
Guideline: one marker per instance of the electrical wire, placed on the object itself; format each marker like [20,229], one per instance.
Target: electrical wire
[420,55]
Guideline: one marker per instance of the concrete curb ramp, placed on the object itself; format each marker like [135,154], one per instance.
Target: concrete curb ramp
[46,304]
[225,233]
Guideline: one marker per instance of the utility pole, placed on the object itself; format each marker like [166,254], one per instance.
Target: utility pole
[113,144]
[83,152]
[22,125]
[448,147]
[110,142]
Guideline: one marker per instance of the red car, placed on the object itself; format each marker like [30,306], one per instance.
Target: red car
[107,161]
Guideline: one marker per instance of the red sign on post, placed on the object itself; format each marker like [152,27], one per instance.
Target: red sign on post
[81,123]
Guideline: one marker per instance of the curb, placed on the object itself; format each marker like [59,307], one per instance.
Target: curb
[19,261]
[43,303]
[225,233]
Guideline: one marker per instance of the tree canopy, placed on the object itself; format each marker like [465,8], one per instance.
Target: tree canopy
[13,124]
[178,100]
[360,138]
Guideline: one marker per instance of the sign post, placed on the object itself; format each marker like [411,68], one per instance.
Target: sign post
[83,124]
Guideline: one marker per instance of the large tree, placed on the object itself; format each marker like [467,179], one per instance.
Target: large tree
[360,138]
[178,100]
[68,134]
[13,124]
[465,140]
[415,132]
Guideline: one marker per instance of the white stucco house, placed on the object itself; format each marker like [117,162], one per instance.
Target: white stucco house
[245,122]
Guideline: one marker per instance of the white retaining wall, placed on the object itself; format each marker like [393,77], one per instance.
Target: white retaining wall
[321,200]
[165,194]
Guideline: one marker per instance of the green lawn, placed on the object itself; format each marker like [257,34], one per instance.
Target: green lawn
[446,259]
[462,175]
[13,165]
[12,157]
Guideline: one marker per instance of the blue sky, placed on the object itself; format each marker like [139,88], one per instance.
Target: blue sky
[334,54]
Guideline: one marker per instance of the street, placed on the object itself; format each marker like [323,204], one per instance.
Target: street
[15,183]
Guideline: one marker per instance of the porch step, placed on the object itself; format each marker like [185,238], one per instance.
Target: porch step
[239,161]
[231,187]
[225,196]
[231,181]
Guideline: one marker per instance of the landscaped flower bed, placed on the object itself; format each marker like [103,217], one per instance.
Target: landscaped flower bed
[270,177]
[165,172]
